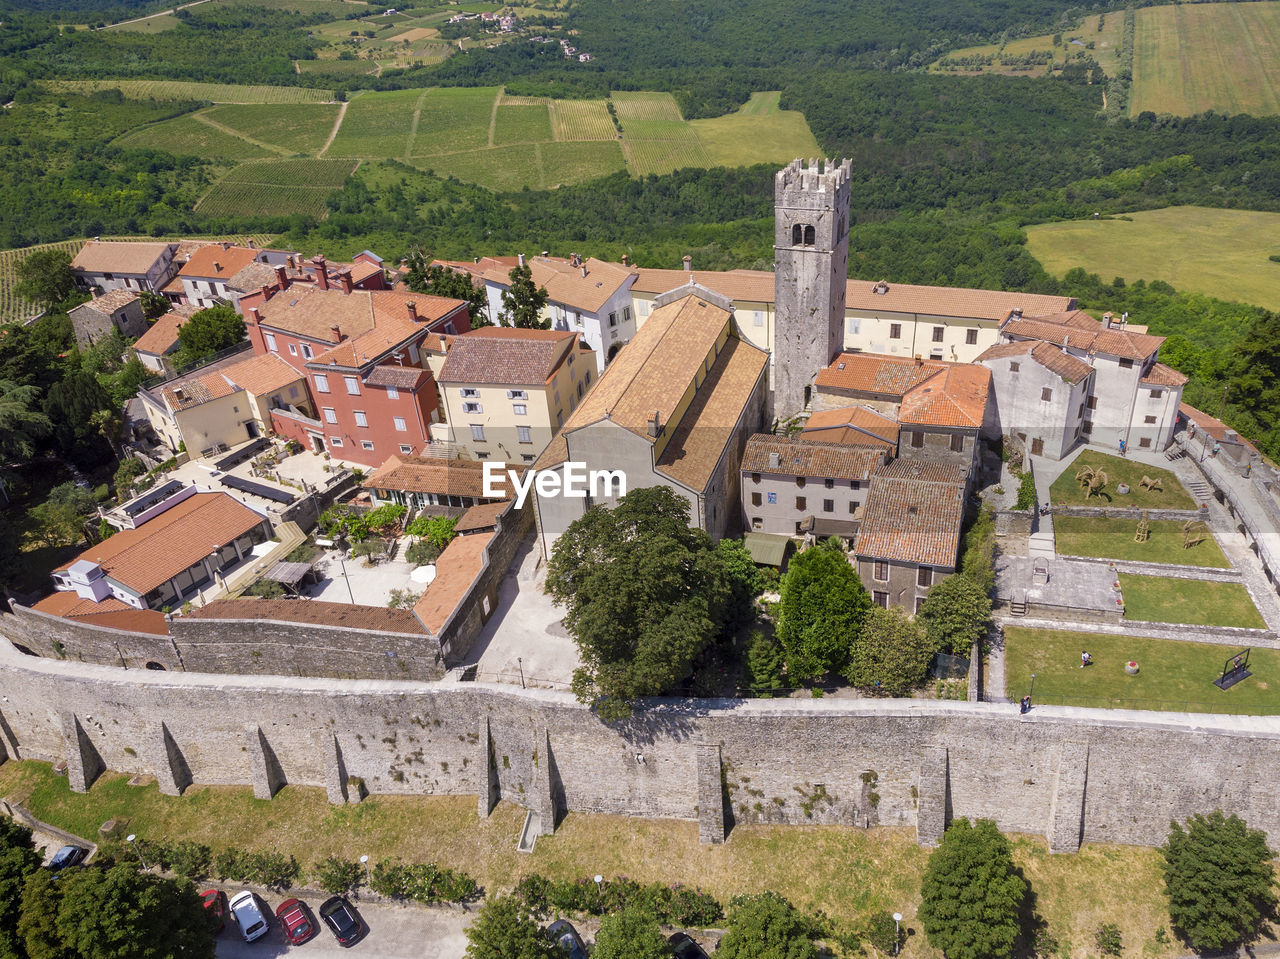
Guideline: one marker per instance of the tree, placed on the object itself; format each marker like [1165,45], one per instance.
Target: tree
[18,860]
[38,919]
[504,929]
[767,926]
[70,406]
[744,575]
[823,603]
[630,933]
[439,531]
[438,280]
[154,305]
[890,653]
[1219,880]
[644,595]
[956,614]
[20,423]
[971,894]
[523,303]
[45,277]
[128,471]
[207,332]
[765,660]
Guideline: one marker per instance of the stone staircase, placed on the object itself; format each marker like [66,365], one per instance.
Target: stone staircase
[1200,490]
[1040,543]
[1018,603]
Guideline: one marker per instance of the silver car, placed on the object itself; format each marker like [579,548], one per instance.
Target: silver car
[252,921]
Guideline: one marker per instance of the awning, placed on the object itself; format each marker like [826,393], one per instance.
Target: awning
[290,574]
[767,549]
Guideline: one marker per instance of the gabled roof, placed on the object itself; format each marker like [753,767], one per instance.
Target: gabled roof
[855,425]
[456,569]
[110,613]
[910,516]
[1161,375]
[213,262]
[133,258]
[371,619]
[875,373]
[499,355]
[143,558]
[399,377]
[253,277]
[109,303]
[481,516]
[955,396]
[1078,335]
[751,286]
[422,474]
[261,375]
[923,471]
[566,284]
[949,301]
[806,457]
[1070,368]
[312,312]
[162,337]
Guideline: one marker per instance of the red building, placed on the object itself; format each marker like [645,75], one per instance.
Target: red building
[364,353]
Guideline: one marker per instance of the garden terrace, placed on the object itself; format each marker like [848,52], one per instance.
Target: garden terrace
[1067,491]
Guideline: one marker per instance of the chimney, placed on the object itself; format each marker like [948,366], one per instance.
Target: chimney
[253,244]
[546,252]
[475,260]
[919,360]
[519,259]
[337,332]
[322,271]
[688,263]
[266,293]
[412,307]
[178,394]
[584,272]
[282,277]
[344,277]
[217,267]
[1017,313]
[1106,320]
[626,260]
[775,461]
[655,424]
[257,316]
[225,246]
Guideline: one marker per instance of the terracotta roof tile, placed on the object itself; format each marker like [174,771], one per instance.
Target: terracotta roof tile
[911,520]
[261,375]
[565,283]
[956,396]
[253,277]
[1212,425]
[133,258]
[196,390]
[312,312]
[1076,335]
[456,569]
[876,374]
[213,262]
[1161,375]
[481,517]
[923,471]
[949,301]
[807,457]
[1070,368]
[110,613]
[400,377]
[419,474]
[111,302]
[161,548]
[750,286]
[313,612]
[162,337]
[505,356]
[856,425]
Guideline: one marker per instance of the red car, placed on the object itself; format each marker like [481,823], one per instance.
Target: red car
[215,900]
[295,919]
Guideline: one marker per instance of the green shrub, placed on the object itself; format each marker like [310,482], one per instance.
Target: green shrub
[337,876]
[265,589]
[190,860]
[1026,493]
[672,905]
[1107,937]
[422,552]
[422,882]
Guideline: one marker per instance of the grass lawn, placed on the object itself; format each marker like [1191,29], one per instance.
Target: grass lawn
[1112,538]
[1173,675]
[1066,491]
[1194,602]
[1220,253]
[759,132]
[846,872]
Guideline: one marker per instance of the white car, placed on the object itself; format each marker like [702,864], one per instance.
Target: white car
[250,918]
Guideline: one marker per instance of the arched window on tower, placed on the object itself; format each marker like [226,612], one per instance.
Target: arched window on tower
[796,234]
[808,236]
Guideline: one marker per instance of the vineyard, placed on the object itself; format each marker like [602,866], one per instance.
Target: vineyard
[455,119]
[276,188]
[376,125]
[522,124]
[648,116]
[298,128]
[12,308]
[663,156]
[536,165]
[192,90]
[582,120]
[187,136]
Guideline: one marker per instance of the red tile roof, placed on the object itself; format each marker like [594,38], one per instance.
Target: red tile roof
[181,536]
[911,520]
[418,474]
[1072,330]
[877,374]
[806,457]
[1070,368]
[481,517]
[505,356]
[956,396]
[133,258]
[456,569]
[856,425]
[923,471]
[1212,425]
[162,337]
[110,613]
[400,377]
[1161,375]
[566,284]
[261,375]
[213,262]
[312,312]
[949,301]
[111,302]
[313,612]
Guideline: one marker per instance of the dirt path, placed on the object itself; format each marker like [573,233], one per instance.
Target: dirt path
[152,16]
[262,144]
[413,127]
[493,117]
[342,112]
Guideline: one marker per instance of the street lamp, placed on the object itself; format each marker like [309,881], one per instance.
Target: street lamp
[350,595]
[599,881]
[1033,687]
[897,934]
[520,665]
[131,840]
[364,861]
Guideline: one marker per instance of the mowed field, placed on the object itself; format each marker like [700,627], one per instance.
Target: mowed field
[193,90]
[1104,31]
[1191,58]
[1221,253]
[760,132]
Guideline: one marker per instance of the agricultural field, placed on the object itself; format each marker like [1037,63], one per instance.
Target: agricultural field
[377,125]
[521,124]
[1104,31]
[1221,253]
[760,132]
[188,136]
[192,90]
[580,120]
[655,137]
[1189,58]
[450,120]
[276,187]
[12,308]
[335,67]
[536,165]
[296,128]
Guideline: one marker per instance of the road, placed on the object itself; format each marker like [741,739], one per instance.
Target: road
[150,16]
[395,932]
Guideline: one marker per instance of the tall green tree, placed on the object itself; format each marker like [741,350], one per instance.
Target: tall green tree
[1219,880]
[18,860]
[70,406]
[956,614]
[59,520]
[21,423]
[154,305]
[645,595]
[765,660]
[630,933]
[822,607]
[890,653]
[523,302]
[767,926]
[436,280]
[207,332]
[971,893]
[45,277]
[505,929]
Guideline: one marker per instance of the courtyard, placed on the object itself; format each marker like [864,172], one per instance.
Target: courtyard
[1067,490]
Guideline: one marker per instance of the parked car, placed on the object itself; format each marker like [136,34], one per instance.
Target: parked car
[342,920]
[66,857]
[215,900]
[683,947]
[566,937]
[295,918]
[253,922]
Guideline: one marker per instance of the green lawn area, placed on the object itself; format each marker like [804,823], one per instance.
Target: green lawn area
[1112,538]
[1157,599]
[759,132]
[1066,490]
[1172,675]
[848,873]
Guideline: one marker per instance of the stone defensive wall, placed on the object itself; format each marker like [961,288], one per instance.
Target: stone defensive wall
[1069,774]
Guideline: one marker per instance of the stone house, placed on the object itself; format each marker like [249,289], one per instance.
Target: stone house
[1041,393]
[154,347]
[117,309]
[796,486]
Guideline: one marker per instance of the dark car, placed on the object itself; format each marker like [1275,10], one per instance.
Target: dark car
[295,919]
[683,947]
[342,920]
[215,900]
[566,937]
[67,856]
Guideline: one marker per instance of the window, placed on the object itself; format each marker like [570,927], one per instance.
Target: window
[855,325]
[271,341]
[1156,394]
[773,499]
[881,599]
[526,457]
[809,236]
[1046,395]
[477,432]
[293,392]
[393,393]
[580,389]
[757,318]
[523,434]
[399,422]
[1015,366]
[924,576]
[519,409]
[971,337]
[797,235]
[1093,403]
[1145,442]
[938,331]
[322,383]
[517,395]
[829,483]
[335,440]
[1080,411]
[329,415]
[917,439]
[613,320]
[828,506]
[757,523]
[957,443]
[306,351]
[472,408]
[482,455]
[1148,419]
[467,393]
[293,350]
[853,507]
[881,571]
[755,477]
[1087,426]
[366,444]
[802,502]
[353,385]
[406,448]
[895,331]
[800,481]
[755,499]
[1126,364]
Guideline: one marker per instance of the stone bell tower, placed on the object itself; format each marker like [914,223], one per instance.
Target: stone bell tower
[811,257]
